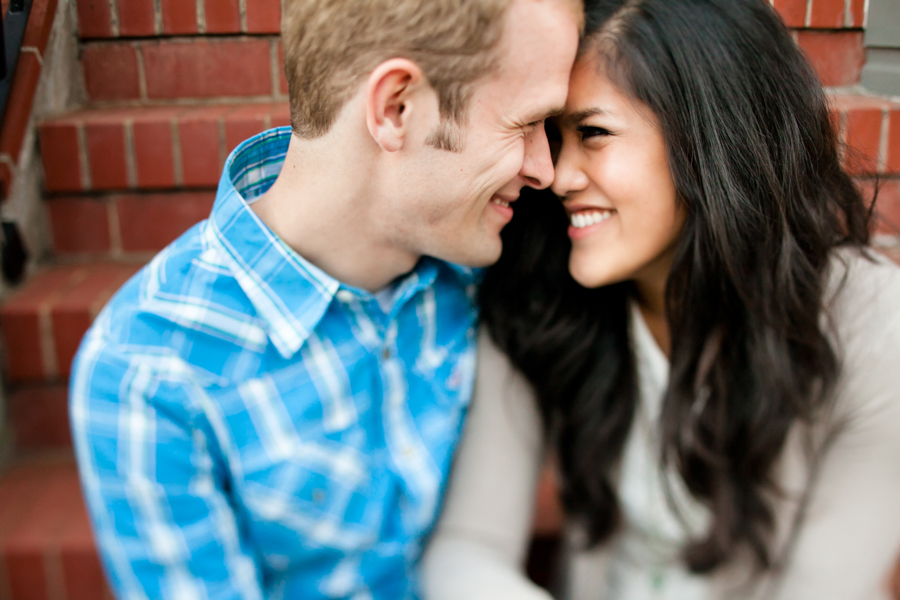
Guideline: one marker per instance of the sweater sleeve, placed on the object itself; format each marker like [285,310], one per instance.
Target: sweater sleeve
[849,537]
[479,544]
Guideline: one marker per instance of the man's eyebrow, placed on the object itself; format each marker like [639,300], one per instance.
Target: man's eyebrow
[581,115]
[550,114]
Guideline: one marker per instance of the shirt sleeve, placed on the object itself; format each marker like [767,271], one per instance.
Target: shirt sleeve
[849,537]
[479,544]
[154,480]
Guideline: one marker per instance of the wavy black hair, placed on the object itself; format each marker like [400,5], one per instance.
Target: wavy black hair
[755,160]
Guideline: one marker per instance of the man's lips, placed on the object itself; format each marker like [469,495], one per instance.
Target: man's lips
[502,200]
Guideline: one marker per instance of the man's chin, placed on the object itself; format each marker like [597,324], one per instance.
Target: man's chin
[480,254]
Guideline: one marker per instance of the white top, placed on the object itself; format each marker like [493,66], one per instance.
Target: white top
[838,523]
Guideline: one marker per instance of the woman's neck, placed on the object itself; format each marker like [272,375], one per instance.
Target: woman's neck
[651,298]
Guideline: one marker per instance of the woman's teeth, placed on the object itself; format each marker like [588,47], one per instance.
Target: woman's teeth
[588,218]
[500,202]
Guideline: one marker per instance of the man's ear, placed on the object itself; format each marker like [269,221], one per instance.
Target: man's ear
[390,94]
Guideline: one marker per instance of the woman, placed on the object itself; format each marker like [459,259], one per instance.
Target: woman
[706,344]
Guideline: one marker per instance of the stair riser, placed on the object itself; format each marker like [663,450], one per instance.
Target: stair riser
[39,417]
[184,68]
[144,18]
[149,148]
[124,226]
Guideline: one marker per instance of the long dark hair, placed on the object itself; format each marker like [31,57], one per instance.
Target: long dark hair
[755,160]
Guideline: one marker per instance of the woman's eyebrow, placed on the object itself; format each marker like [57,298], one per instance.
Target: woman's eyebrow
[579,116]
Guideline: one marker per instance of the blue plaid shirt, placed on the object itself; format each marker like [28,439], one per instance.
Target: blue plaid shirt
[246,426]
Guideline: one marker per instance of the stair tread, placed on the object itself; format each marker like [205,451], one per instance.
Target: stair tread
[43,321]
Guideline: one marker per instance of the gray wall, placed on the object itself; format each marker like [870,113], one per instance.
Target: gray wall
[882,71]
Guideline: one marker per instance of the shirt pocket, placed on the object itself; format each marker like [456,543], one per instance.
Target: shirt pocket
[324,496]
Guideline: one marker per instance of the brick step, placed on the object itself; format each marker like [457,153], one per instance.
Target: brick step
[43,322]
[821,14]
[145,18]
[39,418]
[149,147]
[838,56]
[184,68]
[123,226]
[46,545]
[870,126]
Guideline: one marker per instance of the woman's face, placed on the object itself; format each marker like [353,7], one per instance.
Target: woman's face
[613,177]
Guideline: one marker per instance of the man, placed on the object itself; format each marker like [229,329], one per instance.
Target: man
[270,407]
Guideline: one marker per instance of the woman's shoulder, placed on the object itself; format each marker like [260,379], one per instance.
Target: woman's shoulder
[862,314]
[863,294]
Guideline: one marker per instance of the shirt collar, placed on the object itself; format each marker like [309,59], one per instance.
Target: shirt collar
[288,292]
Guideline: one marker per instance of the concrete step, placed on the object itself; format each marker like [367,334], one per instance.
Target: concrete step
[47,550]
[149,147]
[145,18]
[43,321]
[158,69]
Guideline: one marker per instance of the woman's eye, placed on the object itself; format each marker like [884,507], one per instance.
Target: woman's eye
[586,132]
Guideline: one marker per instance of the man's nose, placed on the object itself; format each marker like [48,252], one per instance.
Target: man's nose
[537,168]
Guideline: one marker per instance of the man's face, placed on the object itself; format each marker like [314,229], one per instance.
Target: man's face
[457,202]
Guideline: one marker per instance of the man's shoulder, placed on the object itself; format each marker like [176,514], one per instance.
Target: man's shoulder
[185,305]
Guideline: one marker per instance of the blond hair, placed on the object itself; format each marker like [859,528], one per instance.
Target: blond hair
[331,45]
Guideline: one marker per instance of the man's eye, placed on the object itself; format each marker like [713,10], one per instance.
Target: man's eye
[534,125]
[586,132]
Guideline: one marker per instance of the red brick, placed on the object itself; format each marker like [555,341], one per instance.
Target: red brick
[40,23]
[106,155]
[26,575]
[83,574]
[205,68]
[22,333]
[111,71]
[863,138]
[838,56]
[153,153]
[887,207]
[281,116]
[59,153]
[893,150]
[549,516]
[793,12]
[18,109]
[94,19]
[244,123]
[223,16]
[75,310]
[137,18]
[151,222]
[264,16]
[6,177]
[282,80]
[857,13]
[827,14]
[79,225]
[200,146]
[50,504]
[179,17]
[20,318]
[40,418]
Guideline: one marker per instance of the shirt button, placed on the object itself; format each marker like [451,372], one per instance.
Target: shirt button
[386,354]
[318,495]
[345,296]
